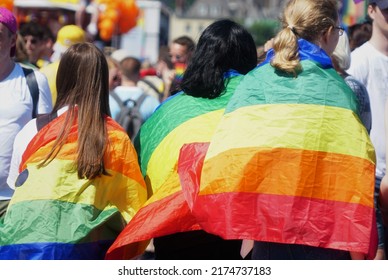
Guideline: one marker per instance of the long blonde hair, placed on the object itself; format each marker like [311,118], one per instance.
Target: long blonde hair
[306,19]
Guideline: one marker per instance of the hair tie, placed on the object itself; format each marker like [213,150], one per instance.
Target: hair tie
[292,28]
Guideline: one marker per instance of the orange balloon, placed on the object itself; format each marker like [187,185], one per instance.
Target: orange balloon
[112,14]
[120,14]
[8,4]
[105,35]
[128,16]
[106,29]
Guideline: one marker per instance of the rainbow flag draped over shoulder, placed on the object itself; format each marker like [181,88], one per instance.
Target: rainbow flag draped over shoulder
[290,162]
[55,215]
[182,119]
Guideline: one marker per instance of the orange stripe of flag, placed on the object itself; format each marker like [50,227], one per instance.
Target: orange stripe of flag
[293,172]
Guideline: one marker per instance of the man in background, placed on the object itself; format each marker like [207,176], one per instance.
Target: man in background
[33,35]
[181,50]
[369,65]
[130,76]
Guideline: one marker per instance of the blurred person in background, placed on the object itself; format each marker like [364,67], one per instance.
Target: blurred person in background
[341,63]
[369,65]
[33,35]
[21,55]
[129,90]
[181,50]
[359,33]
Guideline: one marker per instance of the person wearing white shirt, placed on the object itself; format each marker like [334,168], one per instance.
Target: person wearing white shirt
[369,64]
[16,104]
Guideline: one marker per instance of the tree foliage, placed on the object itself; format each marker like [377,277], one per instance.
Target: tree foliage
[264,30]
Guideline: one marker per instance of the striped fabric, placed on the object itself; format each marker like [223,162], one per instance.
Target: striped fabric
[182,119]
[179,71]
[55,215]
[290,162]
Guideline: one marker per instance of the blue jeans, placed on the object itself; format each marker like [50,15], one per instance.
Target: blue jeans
[279,251]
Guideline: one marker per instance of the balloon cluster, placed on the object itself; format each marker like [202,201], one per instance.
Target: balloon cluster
[116,17]
[8,4]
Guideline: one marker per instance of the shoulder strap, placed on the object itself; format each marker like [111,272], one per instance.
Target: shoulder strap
[33,87]
[117,98]
[151,85]
[140,100]
[42,120]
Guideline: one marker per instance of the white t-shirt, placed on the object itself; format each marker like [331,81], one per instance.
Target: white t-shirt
[370,67]
[146,109]
[22,139]
[15,111]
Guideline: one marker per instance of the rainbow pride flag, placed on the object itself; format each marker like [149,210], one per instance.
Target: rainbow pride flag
[55,215]
[353,11]
[180,69]
[290,162]
[182,119]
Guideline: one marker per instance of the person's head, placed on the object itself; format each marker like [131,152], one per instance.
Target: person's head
[378,13]
[67,36]
[8,35]
[224,45]
[33,34]
[82,84]
[82,79]
[181,50]
[359,33]
[341,54]
[312,20]
[130,69]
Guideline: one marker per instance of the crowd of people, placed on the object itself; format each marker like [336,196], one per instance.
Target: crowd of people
[239,155]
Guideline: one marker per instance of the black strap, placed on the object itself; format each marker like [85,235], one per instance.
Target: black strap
[42,120]
[33,87]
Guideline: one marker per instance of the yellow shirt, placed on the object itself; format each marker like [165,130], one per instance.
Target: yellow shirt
[50,71]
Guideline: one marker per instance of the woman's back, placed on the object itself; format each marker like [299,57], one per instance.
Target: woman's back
[74,194]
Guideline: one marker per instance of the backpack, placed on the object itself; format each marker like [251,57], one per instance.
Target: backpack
[129,116]
[33,88]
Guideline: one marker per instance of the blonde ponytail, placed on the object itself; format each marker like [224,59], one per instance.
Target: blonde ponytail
[286,51]
[302,19]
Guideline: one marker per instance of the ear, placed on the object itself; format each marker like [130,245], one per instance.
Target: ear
[326,36]
[14,39]
[371,11]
